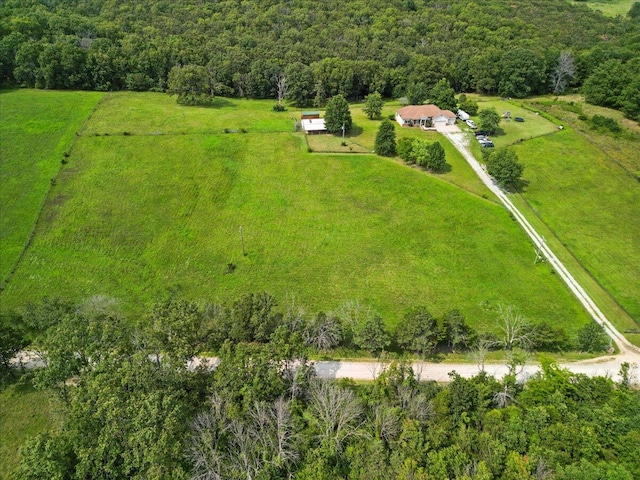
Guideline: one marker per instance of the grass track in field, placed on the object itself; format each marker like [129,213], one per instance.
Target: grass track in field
[36,128]
[139,217]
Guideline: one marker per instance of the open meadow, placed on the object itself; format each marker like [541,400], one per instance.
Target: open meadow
[147,208]
[36,129]
[611,8]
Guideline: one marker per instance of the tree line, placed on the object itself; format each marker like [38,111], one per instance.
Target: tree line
[182,329]
[354,48]
[131,408]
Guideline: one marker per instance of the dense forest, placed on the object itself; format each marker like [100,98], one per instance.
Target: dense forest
[130,408]
[512,48]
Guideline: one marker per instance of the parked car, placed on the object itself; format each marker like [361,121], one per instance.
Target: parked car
[462,115]
[471,124]
[482,138]
[519,119]
[487,143]
[481,133]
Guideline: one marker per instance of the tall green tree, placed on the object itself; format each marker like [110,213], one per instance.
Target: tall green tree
[373,105]
[417,93]
[522,73]
[301,84]
[385,143]
[592,338]
[12,340]
[429,155]
[443,95]
[437,159]
[405,149]
[418,331]
[489,120]
[371,335]
[503,165]
[191,83]
[337,115]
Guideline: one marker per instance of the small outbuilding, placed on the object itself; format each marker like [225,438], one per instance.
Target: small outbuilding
[310,114]
[313,125]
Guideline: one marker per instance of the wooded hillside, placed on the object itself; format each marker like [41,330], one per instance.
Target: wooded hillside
[511,48]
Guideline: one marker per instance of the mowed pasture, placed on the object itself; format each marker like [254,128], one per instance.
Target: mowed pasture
[157,212]
[36,129]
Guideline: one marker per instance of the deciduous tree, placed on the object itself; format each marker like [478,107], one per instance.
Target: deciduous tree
[489,120]
[323,331]
[371,335]
[503,165]
[563,73]
[336,415]
[337,115]
[190,83]
[418,331]
[373,105]
[416,93]
[592,338]
[443,95]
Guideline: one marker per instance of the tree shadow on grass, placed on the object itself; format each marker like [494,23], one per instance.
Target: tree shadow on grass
[519,187]
[219,102]
[446,169]
[354,132]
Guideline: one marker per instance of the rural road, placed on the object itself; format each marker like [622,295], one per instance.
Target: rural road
[461,141]
[608,366]
[604,366]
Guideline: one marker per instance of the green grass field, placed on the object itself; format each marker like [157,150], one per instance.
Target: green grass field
[145,215]
[611,8]
[592,205]
[510,131]
[36,128]
[24,412]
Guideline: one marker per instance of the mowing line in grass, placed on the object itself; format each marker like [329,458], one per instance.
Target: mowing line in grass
[37,131]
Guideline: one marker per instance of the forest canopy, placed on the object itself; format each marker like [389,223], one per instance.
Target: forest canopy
[353,48]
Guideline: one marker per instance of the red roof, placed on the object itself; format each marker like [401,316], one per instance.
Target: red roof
[416,112]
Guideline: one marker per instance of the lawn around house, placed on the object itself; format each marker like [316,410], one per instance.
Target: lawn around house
[36,128]
[143,215]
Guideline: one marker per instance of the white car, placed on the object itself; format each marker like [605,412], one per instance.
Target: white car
[471,124]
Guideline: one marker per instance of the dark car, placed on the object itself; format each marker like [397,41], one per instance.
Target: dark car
[487,143]
[519,119]
[481,133]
